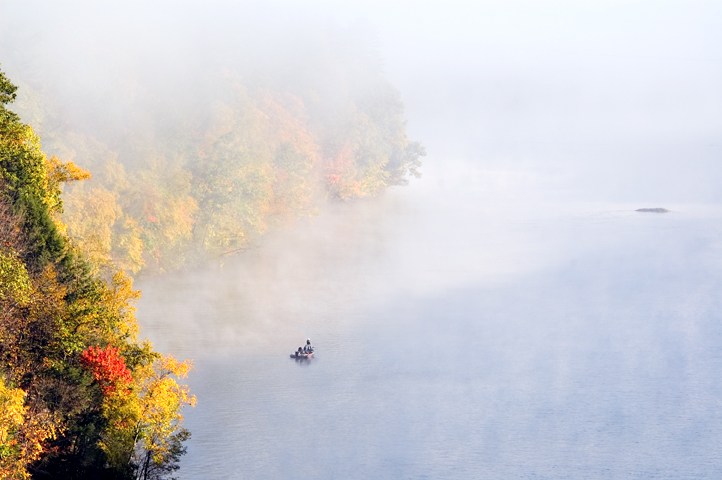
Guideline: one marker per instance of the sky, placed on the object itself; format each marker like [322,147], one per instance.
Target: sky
[621,98]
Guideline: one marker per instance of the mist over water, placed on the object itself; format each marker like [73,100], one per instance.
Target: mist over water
[509,315]
[461,334]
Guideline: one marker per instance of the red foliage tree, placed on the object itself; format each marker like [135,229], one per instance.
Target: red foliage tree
[108,367]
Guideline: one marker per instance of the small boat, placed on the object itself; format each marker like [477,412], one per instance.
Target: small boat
[302,355]
[305,352]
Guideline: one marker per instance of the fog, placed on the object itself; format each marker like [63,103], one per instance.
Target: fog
[532,114]
[620,97]
[508,313]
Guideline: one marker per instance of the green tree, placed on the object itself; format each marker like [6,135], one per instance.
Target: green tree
[60,300]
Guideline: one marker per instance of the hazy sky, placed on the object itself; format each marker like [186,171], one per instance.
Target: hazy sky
[624,98]
[621,98]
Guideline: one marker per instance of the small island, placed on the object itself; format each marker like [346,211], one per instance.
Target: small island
[653,210]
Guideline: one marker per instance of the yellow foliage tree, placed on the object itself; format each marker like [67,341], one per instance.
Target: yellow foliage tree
[12,463]
[161,401]
[22,433]
[58,172]
[146,418]
[90,217]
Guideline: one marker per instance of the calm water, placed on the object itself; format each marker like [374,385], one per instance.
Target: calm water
[460,334]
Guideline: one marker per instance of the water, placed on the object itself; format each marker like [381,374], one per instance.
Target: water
[510,315]
[471,326]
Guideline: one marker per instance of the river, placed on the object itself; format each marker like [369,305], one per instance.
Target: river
[510,314]
[475,324]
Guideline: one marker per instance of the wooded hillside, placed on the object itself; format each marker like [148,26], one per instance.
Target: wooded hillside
[198,166]
[80,396]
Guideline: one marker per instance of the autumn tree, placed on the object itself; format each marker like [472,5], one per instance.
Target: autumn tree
[73,376]
[206,175]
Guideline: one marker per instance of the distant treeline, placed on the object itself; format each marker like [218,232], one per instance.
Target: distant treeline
[80,396]
[201,167]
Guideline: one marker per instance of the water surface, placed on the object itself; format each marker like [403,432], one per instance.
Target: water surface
[472,326]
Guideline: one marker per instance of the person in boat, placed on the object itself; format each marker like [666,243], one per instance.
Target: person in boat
[299,352]
[308,348]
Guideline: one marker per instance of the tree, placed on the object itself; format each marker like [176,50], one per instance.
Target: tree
[108,368]
[159,432]
[70,408]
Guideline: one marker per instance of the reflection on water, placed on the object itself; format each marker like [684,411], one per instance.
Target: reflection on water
[461,334]
[302,360]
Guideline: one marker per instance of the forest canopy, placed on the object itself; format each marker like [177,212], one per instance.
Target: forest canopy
[197,153]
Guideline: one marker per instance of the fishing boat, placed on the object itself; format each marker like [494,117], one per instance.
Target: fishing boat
[304,352]
[300,355]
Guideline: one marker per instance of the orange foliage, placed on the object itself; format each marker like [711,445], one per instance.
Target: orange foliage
[340,173]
